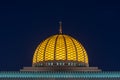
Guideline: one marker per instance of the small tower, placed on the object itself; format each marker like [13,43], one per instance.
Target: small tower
[60,29]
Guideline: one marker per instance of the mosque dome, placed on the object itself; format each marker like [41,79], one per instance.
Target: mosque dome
[60,49]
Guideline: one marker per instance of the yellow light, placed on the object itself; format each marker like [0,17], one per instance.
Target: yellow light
[60,47]
[60,53]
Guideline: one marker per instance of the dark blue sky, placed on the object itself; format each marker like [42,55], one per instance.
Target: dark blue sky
[24,24]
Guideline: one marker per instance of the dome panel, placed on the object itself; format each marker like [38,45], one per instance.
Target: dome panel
[60,52]
[49,51]
[81,53]
[71,52]
[39,53]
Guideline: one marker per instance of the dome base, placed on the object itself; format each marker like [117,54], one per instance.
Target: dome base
[60,63]
[60,68]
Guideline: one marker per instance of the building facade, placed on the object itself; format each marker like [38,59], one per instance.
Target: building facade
[60,57]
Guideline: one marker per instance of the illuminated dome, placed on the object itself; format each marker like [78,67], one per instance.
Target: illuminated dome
[60,49]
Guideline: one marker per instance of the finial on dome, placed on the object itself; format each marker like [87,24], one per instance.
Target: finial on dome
[60,29]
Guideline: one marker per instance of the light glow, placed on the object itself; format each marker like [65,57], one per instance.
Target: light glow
[60,47]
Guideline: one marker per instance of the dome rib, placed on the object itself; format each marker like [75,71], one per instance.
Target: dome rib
[45,48]
[65,46]
[83,51]
[55,47]
[84,54]
[75,48]
[37,51]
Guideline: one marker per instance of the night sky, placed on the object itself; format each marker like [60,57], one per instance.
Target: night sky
[24,24]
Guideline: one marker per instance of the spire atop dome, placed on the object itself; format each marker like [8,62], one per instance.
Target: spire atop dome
[60,29]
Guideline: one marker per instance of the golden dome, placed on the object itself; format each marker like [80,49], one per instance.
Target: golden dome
[60,47]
